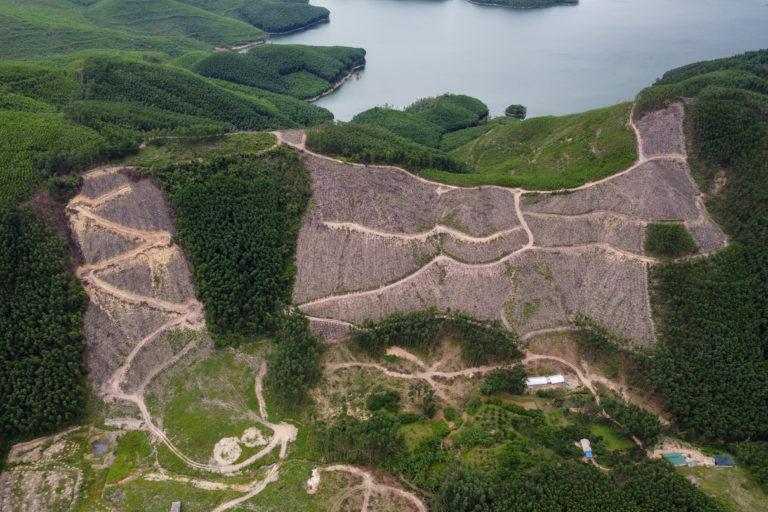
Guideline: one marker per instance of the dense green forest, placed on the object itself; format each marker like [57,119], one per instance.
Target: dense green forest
[481,342]
[244,267]
[36,29]
[712,365]
[299,71]
[42,376]
[273,16]
[409,138]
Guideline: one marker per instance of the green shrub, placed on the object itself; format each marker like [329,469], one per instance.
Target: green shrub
[516,111]
[387,400]
[511,380]
[481,341]
[634,420]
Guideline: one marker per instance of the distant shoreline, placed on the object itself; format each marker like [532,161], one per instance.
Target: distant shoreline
[339,83]
[327,19]
[523,7]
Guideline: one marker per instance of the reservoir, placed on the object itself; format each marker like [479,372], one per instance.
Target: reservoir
[555,60]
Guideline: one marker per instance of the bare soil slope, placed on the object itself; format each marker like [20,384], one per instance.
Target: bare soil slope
[380,240]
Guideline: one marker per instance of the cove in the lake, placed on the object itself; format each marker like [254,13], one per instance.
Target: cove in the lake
[555,60]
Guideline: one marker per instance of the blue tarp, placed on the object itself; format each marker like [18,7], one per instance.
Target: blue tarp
[724,461]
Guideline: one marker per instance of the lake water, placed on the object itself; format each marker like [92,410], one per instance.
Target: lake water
[556,61]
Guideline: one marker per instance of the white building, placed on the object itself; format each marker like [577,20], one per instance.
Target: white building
[532,382]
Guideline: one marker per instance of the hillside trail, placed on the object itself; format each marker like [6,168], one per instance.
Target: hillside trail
[188,315]
[433,376]
[367,487]
[289,139]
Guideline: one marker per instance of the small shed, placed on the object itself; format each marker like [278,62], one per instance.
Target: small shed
[536,381]
[586,447]
[724,461]
[545,380]
[676,459]
[176,506]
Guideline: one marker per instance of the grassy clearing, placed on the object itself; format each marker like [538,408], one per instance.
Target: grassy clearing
[163,152]
[133,451]
[732,488]
[145,496]
[612,439]
[548,152]
[206,401]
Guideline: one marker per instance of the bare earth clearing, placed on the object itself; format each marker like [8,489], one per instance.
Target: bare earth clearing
[140,293]
[380,239]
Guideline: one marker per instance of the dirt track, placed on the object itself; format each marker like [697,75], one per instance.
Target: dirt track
[381,239]
[89,224]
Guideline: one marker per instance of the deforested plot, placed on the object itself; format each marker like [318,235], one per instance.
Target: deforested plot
[655,190]
[484,250]
[138,281]
[534,260]
[385,199]
[618,231]
[98,183]
[112,330]
[97,242]
[159,272]
[143,207]
[443,284]
[662,132]
[611,289]
[339,260]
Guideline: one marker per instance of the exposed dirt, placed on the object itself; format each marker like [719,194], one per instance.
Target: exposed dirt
[531,259]
[374,494]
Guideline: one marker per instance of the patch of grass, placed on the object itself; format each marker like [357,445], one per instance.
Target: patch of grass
[730,487]
[612,439]
[146,496]
[415,433]
[549,152]
[133,451]
[669,240]
[207,401]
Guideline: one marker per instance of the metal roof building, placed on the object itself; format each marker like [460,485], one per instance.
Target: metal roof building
[543,381]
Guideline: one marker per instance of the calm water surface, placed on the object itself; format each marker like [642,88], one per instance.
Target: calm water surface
[555,61]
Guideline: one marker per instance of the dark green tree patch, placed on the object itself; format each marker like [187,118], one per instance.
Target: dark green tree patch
[669,240]
[41,343]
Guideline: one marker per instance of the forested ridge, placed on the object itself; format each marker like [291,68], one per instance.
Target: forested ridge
[712,365]
[42,376]
[299,71]
[409,138]
[239,217]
